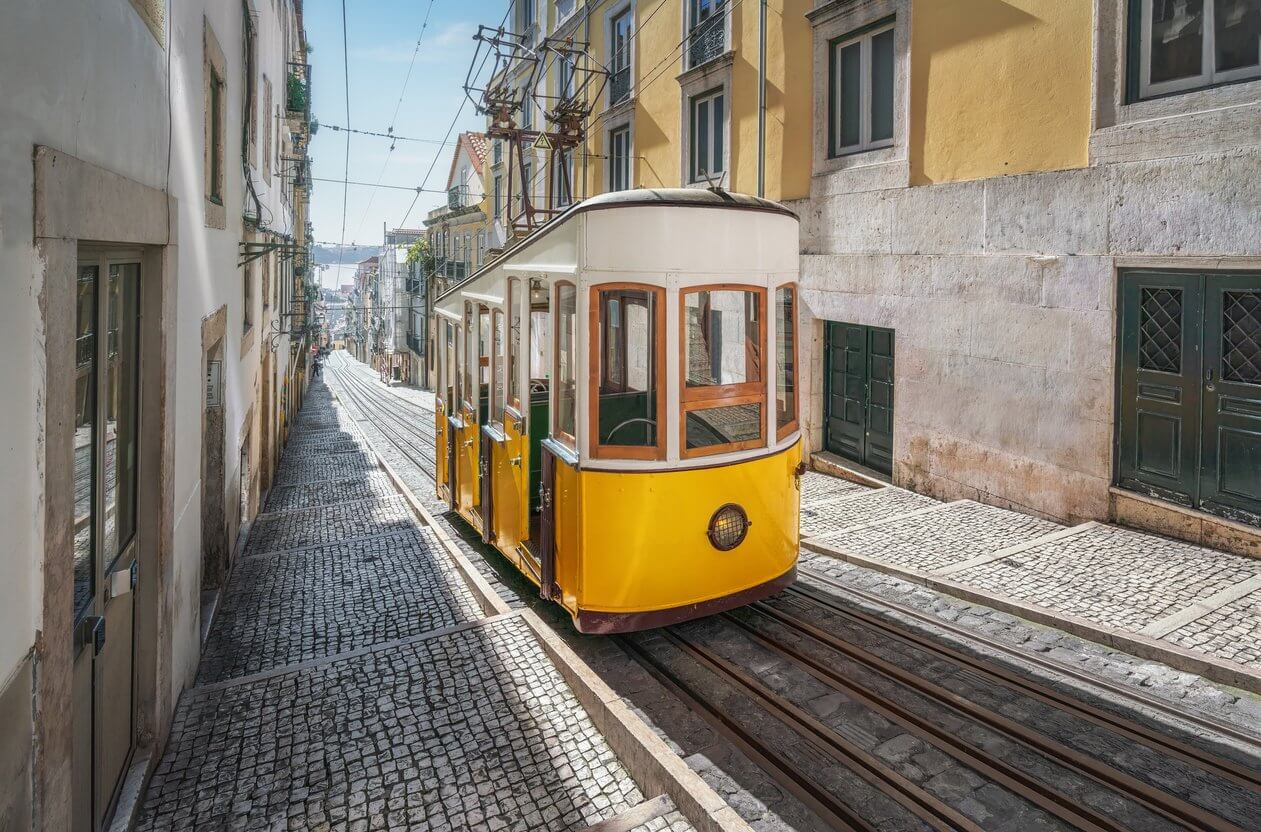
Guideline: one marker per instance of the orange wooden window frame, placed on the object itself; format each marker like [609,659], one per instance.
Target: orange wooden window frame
[468,376]
[566,439]
[723,395]
[512,395]
[791,425]
[595,359]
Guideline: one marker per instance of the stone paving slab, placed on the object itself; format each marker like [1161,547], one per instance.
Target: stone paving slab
[472,729]
[293,606]
[311,494]
[325,524]
[1232,632]
[1114,576]
[931,540]
[867,506]
[816,486]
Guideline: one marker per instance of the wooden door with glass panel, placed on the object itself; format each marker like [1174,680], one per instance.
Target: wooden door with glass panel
[106,460]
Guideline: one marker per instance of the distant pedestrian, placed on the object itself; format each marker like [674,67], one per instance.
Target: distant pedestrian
[315,373]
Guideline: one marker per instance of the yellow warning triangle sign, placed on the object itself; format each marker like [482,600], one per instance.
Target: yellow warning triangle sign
[542,143]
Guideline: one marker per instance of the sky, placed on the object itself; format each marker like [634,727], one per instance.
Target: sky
[381,37]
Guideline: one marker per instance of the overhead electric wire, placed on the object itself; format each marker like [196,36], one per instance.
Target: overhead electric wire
[380,135]
[346,170]
[394,119]
[459,110]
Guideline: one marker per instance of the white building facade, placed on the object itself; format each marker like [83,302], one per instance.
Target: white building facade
[152,220]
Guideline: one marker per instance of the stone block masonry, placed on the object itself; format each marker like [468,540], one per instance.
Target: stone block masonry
[351,680]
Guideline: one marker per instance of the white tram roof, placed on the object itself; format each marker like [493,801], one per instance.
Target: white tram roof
[645,235]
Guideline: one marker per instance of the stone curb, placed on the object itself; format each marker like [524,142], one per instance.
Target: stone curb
[1179,658]
[649,761]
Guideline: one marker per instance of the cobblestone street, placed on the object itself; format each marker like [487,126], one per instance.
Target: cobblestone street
[398,422]
[351,680]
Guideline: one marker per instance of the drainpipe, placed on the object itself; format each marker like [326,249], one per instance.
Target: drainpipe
[761,101]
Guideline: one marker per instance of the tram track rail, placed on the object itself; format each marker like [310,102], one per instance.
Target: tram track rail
[407,426]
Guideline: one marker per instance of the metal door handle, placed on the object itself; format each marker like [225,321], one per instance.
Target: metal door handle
[516,461]
[1208,381]
[468,443]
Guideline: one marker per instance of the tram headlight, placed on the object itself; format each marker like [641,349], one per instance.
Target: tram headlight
[728,527]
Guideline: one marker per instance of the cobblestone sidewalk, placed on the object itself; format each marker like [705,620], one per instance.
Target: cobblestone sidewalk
[350,680]
[1192,607]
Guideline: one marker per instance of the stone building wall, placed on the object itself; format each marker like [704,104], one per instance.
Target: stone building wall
[1001,293]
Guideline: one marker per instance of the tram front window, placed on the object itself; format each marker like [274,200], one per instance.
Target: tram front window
[626,406]
[724,395]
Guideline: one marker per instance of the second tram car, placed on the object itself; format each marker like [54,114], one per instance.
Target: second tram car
[618,405]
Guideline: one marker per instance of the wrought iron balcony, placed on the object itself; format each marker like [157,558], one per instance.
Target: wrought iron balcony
[84,349]
[298,90]
[707,40]
[619,86]
[456,197]
[415,344]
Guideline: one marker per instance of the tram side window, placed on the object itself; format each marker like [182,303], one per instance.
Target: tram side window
[514,344]
[458,369]
[497,357]
[626,408]
[468,357]
[785,360]
[723,395]
[448,370]
[483,365]
[566,372]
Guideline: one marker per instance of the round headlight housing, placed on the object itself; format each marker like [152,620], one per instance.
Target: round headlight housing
[728,527]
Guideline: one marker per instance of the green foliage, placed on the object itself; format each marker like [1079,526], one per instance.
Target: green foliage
[418,252]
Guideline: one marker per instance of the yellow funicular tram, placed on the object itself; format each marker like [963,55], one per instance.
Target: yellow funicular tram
[617,405]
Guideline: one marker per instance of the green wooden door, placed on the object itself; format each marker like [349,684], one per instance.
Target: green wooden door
[858,395]
[1189,401]
[1230,478]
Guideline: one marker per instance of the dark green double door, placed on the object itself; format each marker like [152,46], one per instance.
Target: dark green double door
[1189,403]
[858,394]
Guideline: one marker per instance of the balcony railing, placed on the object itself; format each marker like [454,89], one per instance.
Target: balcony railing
[619,85]
[457,197]
[707,40]
[84,349]
[415,344]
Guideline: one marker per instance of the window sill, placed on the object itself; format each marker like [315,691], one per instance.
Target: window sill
[623,107]
[1202,121]
[714,64]
[216,214]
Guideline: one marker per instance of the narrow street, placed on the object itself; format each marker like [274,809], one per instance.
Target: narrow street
[859,700]
[351,679]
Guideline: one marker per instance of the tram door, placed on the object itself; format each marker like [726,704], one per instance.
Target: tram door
[466,438]
[106,458]
[443,408]
[513,477]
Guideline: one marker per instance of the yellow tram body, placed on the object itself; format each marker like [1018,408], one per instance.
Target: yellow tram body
[617,405]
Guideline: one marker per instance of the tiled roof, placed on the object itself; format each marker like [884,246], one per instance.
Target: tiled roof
[478,146]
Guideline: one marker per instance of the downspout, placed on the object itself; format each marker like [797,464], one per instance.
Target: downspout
[761,100]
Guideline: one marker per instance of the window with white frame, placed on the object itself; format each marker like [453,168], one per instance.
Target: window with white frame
[706,30]
[619,159]
[564,8]
[860,100]
[525,13]
[705,151]
[1192,44]
[527,111]
[563,179]
[564,77]
[527,183]
[498,201]
[620,49]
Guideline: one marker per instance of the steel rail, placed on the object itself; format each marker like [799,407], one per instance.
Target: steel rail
[1138,698]
[1170,807]
[820,801]
[1215,764]
[1035,791]
[354,391]
[912,797]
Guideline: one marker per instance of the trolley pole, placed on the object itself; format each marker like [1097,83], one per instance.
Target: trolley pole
[761,101]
